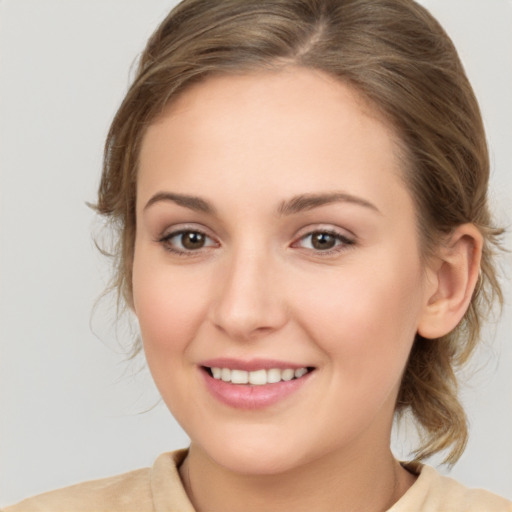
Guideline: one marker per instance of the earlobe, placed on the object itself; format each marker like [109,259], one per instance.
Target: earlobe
[454,277]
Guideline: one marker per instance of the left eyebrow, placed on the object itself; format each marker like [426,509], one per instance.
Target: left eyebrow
[305,202]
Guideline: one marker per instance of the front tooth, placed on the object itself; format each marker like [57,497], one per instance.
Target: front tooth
[258,378]
[273,375]
[239,377]
[226,374]
[300,372]
[287,374]
[216,372]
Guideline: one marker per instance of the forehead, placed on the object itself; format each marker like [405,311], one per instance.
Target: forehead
[296,128]
[289,92]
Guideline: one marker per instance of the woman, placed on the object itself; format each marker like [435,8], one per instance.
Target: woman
[300,192]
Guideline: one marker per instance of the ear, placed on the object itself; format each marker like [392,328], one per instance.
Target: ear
[453,275]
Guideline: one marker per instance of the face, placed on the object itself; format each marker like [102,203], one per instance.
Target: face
[277,278]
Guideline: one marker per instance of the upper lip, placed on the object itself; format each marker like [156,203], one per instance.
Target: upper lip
[251,364]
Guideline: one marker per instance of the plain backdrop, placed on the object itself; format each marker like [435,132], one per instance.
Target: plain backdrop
[72,408]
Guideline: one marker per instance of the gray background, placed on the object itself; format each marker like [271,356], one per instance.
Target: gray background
[71,407]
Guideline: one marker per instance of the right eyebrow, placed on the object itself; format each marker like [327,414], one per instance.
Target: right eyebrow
[192,202]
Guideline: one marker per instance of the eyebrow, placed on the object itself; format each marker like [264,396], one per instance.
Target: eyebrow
[292,206]
[306,202]
[191,202]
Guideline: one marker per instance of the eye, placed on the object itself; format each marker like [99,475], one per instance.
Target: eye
[324,241]
[186,241]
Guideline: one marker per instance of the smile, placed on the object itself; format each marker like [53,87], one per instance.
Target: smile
[253,385]
[258,377]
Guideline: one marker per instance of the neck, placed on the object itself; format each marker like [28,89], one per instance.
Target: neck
[370,483]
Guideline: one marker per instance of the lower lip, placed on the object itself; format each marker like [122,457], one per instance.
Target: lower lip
[246,396]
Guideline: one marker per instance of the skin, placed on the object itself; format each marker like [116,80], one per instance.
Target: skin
[259,288]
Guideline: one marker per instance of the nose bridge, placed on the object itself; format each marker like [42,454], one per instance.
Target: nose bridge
[248,301]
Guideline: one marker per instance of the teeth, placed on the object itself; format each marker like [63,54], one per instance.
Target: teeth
[288,374]
[273,376]
[239,377]
[300,372]
[258,377]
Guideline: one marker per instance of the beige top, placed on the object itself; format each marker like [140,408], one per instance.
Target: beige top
[159,489]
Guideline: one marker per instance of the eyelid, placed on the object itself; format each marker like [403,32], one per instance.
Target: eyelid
[175,231]
[345,239]
[326,228]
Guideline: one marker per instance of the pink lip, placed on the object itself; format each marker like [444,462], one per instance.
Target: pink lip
[247,396]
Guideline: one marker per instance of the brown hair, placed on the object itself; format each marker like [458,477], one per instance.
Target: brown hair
[401,60]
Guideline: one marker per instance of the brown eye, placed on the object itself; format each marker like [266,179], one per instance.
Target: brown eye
[192,240]
[327,242]
[186,242]
[323,241]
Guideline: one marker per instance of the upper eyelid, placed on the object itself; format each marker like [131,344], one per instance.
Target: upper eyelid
[181,231]
[184,228]
[325,228]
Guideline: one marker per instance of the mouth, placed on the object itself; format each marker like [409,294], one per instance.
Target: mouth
[260,377]
[254,385]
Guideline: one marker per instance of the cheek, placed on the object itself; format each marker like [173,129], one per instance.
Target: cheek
[168,306]
[365,318]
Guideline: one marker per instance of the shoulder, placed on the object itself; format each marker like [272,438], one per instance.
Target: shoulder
[138,490]
[433,492]
[114,493]
[129,491]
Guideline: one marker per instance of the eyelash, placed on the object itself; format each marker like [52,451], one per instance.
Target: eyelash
[342,242]
[167,245]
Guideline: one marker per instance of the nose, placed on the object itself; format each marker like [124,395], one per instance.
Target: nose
[249,301]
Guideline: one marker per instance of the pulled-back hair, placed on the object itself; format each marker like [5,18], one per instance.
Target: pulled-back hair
[398,57]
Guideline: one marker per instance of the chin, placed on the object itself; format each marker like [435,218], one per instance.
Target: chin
[260,454]
[258,462]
